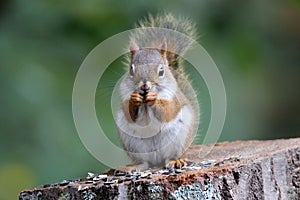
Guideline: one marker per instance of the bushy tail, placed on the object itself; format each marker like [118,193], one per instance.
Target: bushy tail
[175,44]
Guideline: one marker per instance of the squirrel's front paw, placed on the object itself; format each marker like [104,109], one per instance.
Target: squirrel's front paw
[136,99]
[151,98]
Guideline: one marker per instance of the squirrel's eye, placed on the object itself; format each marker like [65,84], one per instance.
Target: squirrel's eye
[131,71]
[161,70]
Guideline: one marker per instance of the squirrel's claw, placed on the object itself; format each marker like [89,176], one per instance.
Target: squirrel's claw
[136,98]
[151,98]
[177,164]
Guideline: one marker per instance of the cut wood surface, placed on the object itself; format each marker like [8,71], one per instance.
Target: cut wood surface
[232,170]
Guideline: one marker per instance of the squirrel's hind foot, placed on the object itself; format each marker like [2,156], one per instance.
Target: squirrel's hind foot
[176,164]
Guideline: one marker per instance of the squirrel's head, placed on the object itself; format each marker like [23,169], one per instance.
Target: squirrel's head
[149,70]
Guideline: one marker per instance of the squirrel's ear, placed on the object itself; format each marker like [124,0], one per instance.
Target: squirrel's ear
[133,47]
[163,48]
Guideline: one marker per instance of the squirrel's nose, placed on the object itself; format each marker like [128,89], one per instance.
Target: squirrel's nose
[145,88]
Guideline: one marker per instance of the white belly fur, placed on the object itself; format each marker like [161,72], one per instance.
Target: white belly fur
[158,143]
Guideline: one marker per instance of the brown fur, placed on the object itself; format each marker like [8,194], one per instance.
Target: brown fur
[167,110]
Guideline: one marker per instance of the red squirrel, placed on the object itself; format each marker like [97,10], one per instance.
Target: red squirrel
[157,120]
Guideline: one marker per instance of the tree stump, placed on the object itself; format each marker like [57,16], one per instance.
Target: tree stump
[232,170]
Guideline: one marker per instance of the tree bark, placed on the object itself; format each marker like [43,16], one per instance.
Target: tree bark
[232,170]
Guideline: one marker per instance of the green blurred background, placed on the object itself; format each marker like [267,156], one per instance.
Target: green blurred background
[255,44]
